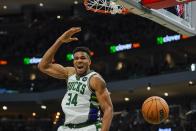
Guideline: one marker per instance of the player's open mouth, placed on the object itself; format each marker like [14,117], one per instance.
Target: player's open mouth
[80,68]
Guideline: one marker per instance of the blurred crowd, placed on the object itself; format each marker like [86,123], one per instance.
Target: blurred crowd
[32,35]
[25,125]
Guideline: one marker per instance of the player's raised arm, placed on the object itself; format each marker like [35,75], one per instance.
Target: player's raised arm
[57,70]
[98,84]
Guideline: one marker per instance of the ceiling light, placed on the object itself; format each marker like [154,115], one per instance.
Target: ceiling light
[119,66]
[166,94]
[75,2]
[148,88]
[43,107]
[5,7]
[58,113]
[126,99]
[41,4]
[190,82]
[4,108]
[32,76]
[58,17]
[192,67]
[33,114]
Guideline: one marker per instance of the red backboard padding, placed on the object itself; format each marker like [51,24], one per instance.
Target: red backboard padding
[158,4]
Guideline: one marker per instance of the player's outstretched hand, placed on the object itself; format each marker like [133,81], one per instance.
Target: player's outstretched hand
[66,37]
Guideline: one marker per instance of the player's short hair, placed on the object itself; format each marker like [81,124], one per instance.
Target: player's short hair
[83,49]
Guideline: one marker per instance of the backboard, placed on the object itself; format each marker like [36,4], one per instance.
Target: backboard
[181,22]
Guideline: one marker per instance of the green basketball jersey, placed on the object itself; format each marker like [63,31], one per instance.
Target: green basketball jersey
[80,103]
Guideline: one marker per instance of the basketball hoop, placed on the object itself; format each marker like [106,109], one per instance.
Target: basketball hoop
[105,7]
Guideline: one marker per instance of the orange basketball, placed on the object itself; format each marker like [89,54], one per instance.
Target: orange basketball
[155,110]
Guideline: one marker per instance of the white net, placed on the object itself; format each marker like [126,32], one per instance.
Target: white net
[104,6]
[115,9]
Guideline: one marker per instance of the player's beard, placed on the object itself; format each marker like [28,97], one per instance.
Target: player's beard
[81,71]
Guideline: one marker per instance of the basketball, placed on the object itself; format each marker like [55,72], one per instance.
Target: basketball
[155,110]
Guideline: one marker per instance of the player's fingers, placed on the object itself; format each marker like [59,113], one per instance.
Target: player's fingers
[75,30]
[74,39]
[71,32]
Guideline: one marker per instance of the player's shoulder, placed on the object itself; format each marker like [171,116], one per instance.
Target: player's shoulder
[97,78]
[97,82]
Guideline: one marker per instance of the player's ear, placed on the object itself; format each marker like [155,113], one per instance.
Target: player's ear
[90,62]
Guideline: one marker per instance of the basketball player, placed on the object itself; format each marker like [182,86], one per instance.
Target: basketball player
[86,89]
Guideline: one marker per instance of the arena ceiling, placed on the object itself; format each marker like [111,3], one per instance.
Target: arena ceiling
[15,6]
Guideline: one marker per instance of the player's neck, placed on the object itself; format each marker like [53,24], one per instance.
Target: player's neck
[81,75]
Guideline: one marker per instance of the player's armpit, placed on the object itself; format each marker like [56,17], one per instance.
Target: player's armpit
[99,86]
[57,71]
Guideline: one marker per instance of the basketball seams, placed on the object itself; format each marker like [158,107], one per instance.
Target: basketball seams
[143,108]
[150,99]
[157,111]
[146,101]
[149,108]
[163,107]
